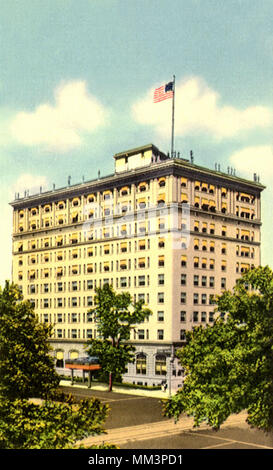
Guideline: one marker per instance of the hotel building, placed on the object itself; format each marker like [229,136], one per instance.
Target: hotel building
[165,229]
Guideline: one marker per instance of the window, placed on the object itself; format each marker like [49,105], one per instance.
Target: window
[204,245]
[161,243]
[32,288]
[195,316]
[141,365]
[89,301]
[196,262]
[74,318]
[89,317]
[140,334]
[89,268]
[141,245]
[161,261]
[162,182]
[142,187]
[196,280]
[204,281]
[184,182]
[212,229]
[160,334]
[89,284]
[183,261]
[196,244]
[211,299]
[74,334]
[74,269]
[89,334]
[204,299]
[160,297]
[46,303]
[141,280]
[183,279]
[224,265]
[123,264]
[74,285]
[224,248]
[123,282]
[74,301]
[141,262]
[223,282]
[160,365]
[211,263]
[196,298]
[160,316]
[182,335]
[59,286]
[183,297]
[123,247]
[59,302]
[183,316]
[211,281]
[161,279]
[211,316]
[204,227]
[59,359]
[203,316]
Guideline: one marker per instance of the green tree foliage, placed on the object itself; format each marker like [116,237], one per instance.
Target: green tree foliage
[229,366]
[50,425]
[27,371]
[116,316]
[26,367]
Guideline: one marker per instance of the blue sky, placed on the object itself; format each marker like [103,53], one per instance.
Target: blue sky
[76,84]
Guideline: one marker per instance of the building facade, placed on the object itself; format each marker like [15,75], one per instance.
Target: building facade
[165,229]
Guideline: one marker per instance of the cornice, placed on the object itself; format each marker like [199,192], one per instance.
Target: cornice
[176,167]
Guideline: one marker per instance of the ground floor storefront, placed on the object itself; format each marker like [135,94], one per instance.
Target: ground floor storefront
[154,364]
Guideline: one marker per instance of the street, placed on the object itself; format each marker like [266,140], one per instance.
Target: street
[136,422]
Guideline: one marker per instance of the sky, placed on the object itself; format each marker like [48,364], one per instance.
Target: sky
[77,81]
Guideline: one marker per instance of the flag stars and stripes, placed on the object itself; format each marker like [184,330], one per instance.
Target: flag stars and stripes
[164,92]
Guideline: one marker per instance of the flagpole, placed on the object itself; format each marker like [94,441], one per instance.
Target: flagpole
[172,143]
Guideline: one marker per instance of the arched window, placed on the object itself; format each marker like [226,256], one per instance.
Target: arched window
[73,355]
[59,359]
[141,365]
[160,365]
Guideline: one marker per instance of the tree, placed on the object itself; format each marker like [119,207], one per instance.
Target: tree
[27,371]
[25,424]
[26,367]
[116,316]
[229,366]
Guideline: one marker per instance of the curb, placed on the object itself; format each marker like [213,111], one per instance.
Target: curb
[117,389]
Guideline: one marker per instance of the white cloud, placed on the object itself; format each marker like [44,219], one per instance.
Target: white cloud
[255,159]
[29,182]
[259,160]
[61,126]
[198,110]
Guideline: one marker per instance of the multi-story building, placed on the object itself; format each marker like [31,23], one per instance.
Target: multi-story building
[165,229]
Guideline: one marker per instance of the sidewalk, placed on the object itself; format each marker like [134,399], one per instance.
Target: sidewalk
[120,389]
[131,434]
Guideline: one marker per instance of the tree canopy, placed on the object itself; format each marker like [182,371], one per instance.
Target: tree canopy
[27,371]
[116,315]
[26,367]
[229,365]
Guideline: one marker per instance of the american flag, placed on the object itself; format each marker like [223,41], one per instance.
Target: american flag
[164,92]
